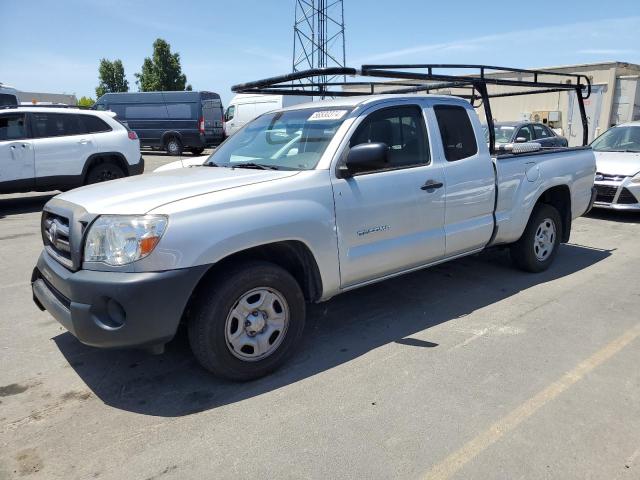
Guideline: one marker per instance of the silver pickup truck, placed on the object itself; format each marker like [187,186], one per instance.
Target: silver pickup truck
[300,205]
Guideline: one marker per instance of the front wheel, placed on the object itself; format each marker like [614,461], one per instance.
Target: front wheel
[246,324]
[538,246]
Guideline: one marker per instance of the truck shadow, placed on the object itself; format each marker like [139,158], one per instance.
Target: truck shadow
[20,205]
[338,331]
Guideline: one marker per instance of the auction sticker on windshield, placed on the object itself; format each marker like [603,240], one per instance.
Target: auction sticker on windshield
[327,115]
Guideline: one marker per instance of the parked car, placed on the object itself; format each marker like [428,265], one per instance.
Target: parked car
[301,205]
[44,148]
[8,95]
[523,132]
[174,121]
[245,107]
[617,154]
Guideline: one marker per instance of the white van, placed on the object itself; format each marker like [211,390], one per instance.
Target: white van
[245,107]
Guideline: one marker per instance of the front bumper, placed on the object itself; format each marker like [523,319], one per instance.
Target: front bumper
[113,309]
[617,195]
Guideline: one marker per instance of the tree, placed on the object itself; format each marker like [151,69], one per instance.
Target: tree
[162,72]
[111,77]
[86,102]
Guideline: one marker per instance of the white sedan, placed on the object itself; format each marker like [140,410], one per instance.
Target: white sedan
[617,154]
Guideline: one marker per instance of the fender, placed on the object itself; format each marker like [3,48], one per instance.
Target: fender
[98,157]
[168,134]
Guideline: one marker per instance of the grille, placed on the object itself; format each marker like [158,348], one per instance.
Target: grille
[607,177]
[55,234]
[626,197]
[605,193]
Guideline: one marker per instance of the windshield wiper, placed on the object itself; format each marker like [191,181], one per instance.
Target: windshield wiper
[257,166]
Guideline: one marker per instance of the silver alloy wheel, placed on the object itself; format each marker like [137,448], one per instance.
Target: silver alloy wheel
[257,324]
[173,146]
[544,239]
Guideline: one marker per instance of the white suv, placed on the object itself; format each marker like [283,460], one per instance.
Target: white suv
[44,148]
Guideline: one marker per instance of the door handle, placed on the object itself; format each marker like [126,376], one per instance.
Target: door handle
[431,185]
[84,141]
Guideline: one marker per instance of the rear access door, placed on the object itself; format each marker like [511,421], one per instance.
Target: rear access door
[469,177]
[212,115]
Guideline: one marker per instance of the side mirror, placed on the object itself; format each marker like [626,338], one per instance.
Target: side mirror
[521,140]
[366,157]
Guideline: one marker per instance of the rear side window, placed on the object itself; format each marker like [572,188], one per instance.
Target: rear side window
[402,129]
[151,112]
[12,127]
[94,124]
[180,111]
[56,125]
[458,136]
[542,131]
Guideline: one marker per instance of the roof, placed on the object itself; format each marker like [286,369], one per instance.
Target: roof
[48,109]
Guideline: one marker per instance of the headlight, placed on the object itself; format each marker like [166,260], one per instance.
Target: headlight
[118,240]
[636,179]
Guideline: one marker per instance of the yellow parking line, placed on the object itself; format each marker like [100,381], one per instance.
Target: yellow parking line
[458,459]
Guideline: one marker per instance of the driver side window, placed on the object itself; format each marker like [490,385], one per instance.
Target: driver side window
[402,129]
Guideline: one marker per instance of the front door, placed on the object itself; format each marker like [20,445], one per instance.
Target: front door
[16,152]
[387,220]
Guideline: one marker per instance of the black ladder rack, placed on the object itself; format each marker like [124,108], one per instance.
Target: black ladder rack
[414,78]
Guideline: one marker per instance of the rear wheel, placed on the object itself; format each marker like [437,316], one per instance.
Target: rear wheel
[173,146]
[538,246]
[104,172]
[246,324]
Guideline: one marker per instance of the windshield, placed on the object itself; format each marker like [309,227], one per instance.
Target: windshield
[292,140]
[618,139]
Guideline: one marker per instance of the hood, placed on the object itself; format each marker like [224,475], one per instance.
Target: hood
[183,163]
[142,193]
[618,163]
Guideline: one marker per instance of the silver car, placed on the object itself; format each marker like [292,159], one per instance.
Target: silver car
[617,181]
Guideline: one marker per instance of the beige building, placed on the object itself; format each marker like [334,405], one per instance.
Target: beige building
[615,99]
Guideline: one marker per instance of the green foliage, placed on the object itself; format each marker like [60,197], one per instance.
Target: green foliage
[86,102]
[111,77]
[162,72]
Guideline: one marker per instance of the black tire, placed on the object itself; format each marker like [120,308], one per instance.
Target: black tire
[526,253]
[196,151]
[104,172]
[173,146]
[217,299]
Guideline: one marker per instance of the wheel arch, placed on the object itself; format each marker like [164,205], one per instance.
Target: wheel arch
[170,134]
[98,158]
[292,255]
[559,197]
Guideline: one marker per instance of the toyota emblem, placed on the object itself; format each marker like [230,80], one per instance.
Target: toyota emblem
[52,233]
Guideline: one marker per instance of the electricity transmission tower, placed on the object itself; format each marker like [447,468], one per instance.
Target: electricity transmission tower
[318,36]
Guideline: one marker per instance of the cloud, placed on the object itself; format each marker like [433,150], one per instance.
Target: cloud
[607,51]
[597,37]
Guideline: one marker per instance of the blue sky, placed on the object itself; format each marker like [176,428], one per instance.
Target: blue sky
[56,46]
